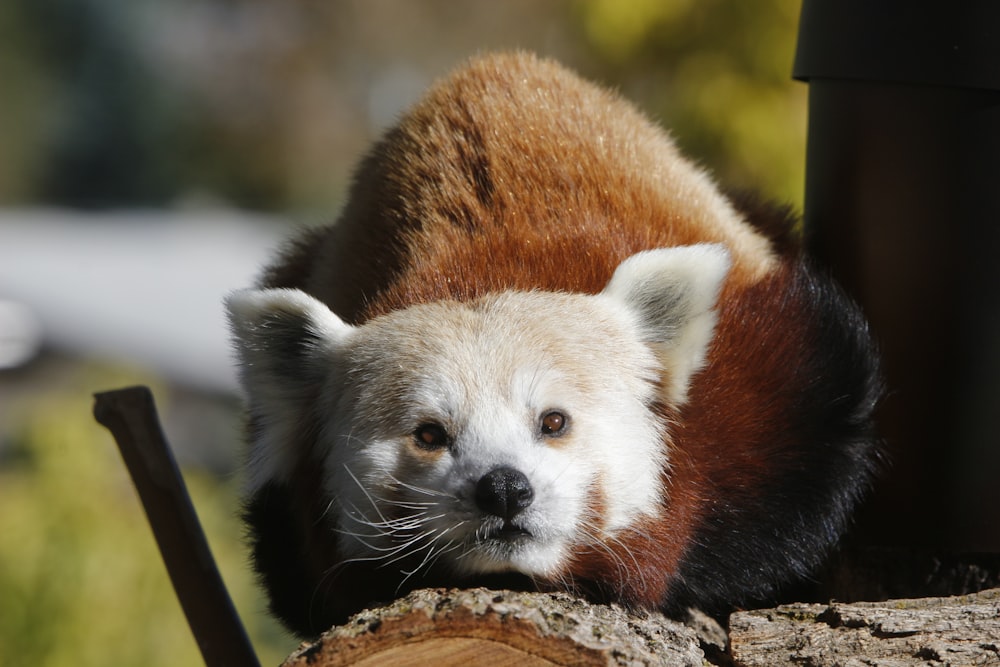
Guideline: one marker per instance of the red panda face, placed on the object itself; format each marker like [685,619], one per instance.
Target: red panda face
[484,436]
[499,435]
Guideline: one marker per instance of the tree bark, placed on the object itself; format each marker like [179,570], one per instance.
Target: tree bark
[442,627]
[962,630]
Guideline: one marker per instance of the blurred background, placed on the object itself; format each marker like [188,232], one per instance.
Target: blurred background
[154,152]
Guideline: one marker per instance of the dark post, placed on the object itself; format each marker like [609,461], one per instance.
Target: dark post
[903,203]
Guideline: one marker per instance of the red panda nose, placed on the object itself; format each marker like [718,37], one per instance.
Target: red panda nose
[504,492]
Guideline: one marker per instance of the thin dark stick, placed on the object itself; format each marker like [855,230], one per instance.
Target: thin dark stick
[131,417]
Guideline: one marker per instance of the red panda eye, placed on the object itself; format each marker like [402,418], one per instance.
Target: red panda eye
[554,423]
[431,437]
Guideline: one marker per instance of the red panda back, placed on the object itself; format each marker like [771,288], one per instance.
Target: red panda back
[512,173]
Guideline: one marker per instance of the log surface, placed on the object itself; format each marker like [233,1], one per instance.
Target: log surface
[963,630]
[478,626]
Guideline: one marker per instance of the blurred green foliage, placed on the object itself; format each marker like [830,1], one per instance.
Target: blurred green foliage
[25,89]
[81,580]
[267,105]
[718,74]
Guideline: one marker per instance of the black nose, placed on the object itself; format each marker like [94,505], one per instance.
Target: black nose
[504,492]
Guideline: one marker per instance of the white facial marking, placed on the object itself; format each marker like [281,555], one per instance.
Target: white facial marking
[488,374]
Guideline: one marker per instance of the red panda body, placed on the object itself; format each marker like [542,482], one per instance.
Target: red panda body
[515,177]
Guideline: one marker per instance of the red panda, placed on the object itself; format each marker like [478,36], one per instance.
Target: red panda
[541,349]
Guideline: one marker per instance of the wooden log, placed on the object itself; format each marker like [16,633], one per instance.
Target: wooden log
[962,630]
[443,627]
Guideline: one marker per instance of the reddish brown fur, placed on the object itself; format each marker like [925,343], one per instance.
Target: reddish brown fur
[571,181]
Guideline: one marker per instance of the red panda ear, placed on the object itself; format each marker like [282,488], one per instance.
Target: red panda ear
[278,334]
[673,292]
[286,342]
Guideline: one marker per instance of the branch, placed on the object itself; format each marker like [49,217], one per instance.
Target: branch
[131,417]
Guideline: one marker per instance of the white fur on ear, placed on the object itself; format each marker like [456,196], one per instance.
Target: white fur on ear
[285,341]
[673,291]
[277,330]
